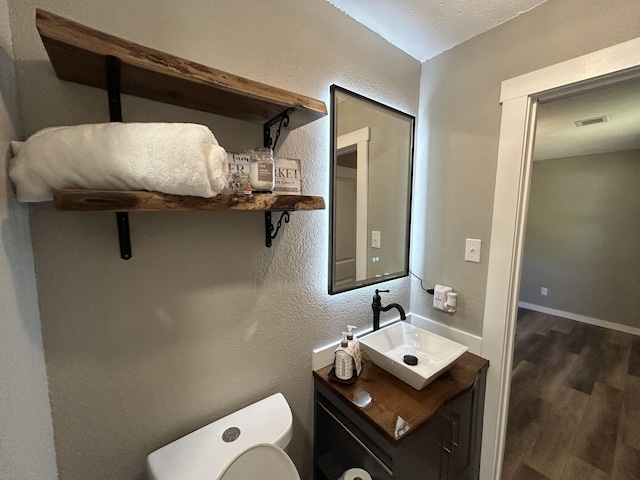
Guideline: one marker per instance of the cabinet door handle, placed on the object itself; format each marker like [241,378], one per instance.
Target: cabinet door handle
[454,437]
[358,441]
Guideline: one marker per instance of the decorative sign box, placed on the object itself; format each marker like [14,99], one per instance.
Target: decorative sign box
[287,172]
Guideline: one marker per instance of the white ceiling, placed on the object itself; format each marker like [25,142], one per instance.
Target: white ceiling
[557,136]
[425,28]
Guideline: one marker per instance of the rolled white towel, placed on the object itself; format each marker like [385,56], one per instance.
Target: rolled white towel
[175,158]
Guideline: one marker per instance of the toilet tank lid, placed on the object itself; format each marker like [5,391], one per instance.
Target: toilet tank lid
[207,452]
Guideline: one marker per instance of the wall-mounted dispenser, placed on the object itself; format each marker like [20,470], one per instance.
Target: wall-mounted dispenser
[452,300]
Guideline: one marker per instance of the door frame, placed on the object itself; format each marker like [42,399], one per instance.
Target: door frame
[359,139]
[344,175]
[519,97]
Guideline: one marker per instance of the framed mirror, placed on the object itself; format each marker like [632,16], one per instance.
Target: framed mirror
[370,191]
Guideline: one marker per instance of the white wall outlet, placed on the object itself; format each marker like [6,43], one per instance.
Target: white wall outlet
[440,296]
[472,250]
[375,239]
[544,291]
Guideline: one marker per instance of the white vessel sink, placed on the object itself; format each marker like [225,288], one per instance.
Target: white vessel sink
[388,346]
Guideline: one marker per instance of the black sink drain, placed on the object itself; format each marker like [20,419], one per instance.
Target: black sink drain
[410,360]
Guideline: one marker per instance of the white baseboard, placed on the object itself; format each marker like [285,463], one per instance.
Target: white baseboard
[473,342]
[581,318]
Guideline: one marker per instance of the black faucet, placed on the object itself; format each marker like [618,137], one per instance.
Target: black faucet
[377,307]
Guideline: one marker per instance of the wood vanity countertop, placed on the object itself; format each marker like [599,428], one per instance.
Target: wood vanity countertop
[396,409]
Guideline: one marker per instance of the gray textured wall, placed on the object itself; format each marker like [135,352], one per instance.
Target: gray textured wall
[582,236]
[26,432]
[203,319]
[141,352]
[458,131]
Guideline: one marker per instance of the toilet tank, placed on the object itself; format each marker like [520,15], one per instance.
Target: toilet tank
[206,453]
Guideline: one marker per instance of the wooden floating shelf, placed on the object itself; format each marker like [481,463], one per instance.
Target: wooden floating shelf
[78,54]
[142,201]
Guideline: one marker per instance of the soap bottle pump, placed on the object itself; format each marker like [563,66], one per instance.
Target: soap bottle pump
[355,349]
[343,364]
[350,336]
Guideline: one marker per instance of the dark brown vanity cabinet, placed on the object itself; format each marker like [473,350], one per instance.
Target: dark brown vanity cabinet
[395,432]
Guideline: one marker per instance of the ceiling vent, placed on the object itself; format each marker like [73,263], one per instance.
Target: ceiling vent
[591,121]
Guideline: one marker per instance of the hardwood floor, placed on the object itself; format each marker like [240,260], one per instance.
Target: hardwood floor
[574,411]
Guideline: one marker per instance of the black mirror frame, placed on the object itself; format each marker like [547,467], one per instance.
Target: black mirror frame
[332,182]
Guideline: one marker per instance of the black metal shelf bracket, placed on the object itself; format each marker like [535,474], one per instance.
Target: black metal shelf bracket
[115,115]
[123,235]
[113,88]
[283,121]
[270,231]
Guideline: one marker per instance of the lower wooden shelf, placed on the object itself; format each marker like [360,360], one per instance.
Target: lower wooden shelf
[122,202]
[141,201]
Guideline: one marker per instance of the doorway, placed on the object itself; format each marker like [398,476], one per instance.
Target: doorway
[574,379]
[352,194]
[519,98]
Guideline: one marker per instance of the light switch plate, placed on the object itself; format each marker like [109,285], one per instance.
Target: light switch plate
[375,239]
[472,250]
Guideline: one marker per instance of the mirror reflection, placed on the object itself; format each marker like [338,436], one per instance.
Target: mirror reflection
[372,153]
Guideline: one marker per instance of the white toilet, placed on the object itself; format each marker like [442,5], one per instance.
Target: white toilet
[246,445]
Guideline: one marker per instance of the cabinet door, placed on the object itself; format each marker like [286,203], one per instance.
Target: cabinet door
[457,435]
[420,456]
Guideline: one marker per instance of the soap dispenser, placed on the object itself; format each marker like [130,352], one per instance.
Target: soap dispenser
[354,345]
[343,364]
